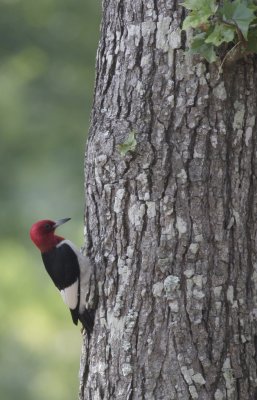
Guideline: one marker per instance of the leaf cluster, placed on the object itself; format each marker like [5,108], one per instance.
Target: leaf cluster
[231,22]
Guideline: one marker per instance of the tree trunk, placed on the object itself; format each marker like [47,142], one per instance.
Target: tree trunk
[171,225]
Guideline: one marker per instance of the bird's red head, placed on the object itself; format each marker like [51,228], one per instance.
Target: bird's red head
[42,234]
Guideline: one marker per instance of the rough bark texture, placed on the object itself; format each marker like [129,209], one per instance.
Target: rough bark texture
[172,225]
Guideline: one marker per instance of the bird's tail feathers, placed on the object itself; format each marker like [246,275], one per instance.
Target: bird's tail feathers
[87,320]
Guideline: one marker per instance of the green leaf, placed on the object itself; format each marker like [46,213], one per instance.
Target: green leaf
[129,144]
[193,20]
[206,50]
[228,9]
[208,6]
[250,4]
[198,40]
[243,16]
[191,4]
[239,13]
[220,34]
[201,11]
[252,41]
[252,7]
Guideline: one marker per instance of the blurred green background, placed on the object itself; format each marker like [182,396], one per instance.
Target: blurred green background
[47,63]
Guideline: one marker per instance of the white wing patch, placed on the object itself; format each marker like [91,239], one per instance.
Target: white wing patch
[85,273]
[70,295]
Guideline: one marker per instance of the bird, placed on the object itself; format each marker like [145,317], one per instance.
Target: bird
[70,271]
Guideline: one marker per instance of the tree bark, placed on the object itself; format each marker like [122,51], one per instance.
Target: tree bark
[171,226]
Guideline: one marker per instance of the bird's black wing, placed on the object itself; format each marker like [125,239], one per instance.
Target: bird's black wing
[62,265]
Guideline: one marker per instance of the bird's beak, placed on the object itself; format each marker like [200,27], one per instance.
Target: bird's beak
[60,222]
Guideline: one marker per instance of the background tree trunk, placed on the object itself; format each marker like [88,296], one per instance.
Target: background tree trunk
[172,225]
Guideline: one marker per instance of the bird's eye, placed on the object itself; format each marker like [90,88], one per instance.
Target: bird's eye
[47,226]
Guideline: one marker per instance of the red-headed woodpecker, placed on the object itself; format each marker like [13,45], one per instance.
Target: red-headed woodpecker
[68,268]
